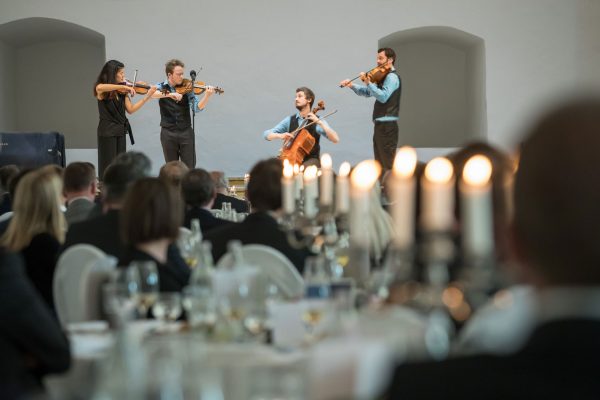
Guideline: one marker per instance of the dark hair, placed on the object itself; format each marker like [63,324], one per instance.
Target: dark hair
[557,193]
[79,176]
[309,94]
[389,53]
[108,74]
[135,160]
[117,178]
[198,187]
[173,172]
[7,172]
[264,186]
[150,212]
[171,64]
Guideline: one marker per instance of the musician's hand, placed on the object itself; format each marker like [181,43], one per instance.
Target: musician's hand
[175,96]
[151,91]
[210,91]
[312,117]
[364,78]
[286,136]
[346,83]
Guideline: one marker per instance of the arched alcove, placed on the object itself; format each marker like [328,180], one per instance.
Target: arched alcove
[443,86]
[47,71]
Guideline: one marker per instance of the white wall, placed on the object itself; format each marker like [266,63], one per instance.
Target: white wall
[260,51]
[7,89]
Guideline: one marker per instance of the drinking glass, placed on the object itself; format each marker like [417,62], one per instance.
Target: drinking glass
[149,288]
[167,307]
[201,309]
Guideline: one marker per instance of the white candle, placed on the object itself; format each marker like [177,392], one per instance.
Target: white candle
[476,207]
[310,191]
[362,179]
[287,188]
[342,192]
[297,182]
[326,193]
[402,190]
[437,205]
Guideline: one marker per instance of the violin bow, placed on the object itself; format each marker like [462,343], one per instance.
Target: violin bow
[353,79]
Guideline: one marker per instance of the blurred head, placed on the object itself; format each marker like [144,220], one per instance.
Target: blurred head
[137,161]
[220,181]
[150,212]
[80,177]
[173,172]
[264,186]
[557,195]
[37,209]
[117,179]
[198,188]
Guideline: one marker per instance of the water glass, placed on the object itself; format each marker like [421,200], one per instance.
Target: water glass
[149,287]
[167,307]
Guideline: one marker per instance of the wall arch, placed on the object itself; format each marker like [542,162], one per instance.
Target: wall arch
[49,66]
[443,86]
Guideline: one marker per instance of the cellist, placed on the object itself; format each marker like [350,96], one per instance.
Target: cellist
[304,101]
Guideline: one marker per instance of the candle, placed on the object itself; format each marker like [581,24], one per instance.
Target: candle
[362,179]
[310,191]
[326,193]
[297,182]
[287,188]
[402,193]
[437,206]
[476,207]
[342,195]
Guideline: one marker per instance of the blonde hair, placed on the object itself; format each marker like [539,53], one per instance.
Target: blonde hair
[36,209]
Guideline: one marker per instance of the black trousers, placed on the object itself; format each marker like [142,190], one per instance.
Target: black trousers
[108,148]
[179,144]
[385,142]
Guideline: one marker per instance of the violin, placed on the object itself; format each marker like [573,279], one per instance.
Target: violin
[197,87]
[139,86]
[376,75]
[300,145]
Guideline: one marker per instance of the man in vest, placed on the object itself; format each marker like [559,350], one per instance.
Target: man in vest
[176,134]
[386,109]
[304,101]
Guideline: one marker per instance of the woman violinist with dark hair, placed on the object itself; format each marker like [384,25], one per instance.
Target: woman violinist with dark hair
[112,92]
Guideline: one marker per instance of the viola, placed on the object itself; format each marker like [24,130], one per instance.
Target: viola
[376,75]
[197,87]
[300,145]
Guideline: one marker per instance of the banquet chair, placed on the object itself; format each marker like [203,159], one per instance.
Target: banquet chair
[80,273]
[274,265]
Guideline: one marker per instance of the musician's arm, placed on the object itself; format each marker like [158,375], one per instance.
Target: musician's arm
[279,131]
[324,129]
[390,84]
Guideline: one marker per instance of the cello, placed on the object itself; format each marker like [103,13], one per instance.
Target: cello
[300,145]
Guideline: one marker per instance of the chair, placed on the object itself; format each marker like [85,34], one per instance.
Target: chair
[80,273]
[274,265]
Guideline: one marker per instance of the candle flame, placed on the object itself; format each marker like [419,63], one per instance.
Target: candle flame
[344,169]
[365,174]
[296,169]
[439,170]
[310,173]
[288,170]
[405,162]
[326,161]
[477,170]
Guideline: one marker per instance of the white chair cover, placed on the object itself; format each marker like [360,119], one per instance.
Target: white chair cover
[80,273]
[274,265]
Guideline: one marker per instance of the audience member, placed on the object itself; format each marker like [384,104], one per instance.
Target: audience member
[199,193]
[7,172]
[38,227]
[149,224]
[223,196]
[261,226]
[173,172]
[79,190]
[555,236]
[31,341]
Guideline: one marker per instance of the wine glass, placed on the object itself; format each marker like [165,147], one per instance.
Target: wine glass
[167,307]
[201,309]
[148,289]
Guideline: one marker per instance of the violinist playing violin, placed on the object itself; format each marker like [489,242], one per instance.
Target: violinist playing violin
[304,101]
[176,133]
[112,92]
[387,105]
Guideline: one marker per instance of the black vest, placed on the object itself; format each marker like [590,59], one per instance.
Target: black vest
[175,115]
[316,150]
[390,108]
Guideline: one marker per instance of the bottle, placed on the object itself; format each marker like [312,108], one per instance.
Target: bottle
[202,276]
